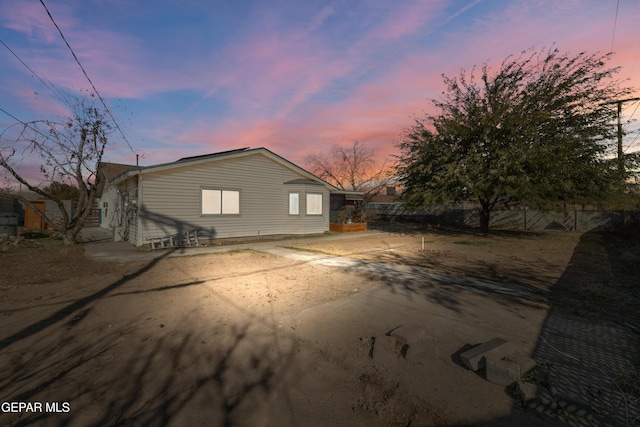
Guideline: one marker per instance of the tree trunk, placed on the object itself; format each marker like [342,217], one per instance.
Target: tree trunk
[69,237]
[485,212]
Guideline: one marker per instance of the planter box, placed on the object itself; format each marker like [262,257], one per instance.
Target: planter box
[348,228]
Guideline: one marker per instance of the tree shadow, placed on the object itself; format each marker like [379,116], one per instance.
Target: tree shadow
[185,378]
[590,339]
[139,373]
[416,281]
[76,306]
[167,225]
[588,349]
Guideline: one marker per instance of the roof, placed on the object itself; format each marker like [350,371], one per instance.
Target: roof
[303,181]
[205,158]
[113,170]
[350,194]
[209,156]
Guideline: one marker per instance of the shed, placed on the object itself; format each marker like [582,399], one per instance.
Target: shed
[49,207]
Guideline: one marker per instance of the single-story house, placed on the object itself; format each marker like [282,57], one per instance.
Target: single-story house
[237,193]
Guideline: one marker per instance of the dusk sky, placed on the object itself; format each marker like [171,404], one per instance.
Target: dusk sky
[189,77]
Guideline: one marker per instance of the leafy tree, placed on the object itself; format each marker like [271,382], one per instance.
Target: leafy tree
[63,191]
[536,130]
[67,155]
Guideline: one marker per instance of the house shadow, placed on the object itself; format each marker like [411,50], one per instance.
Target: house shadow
[590,339]
[588,349]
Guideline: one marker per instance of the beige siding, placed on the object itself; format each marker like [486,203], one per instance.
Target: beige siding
[303,223]
[171,200]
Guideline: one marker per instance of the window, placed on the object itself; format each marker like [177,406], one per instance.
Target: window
[220,202]
[314,204]
[294,203]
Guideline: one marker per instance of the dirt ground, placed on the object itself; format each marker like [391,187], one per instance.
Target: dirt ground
[251,338]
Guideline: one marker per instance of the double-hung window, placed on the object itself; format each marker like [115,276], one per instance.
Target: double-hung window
[294,203]
[220,202]
[314,204]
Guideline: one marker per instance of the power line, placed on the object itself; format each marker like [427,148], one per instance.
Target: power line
[629,121]
[25,124]
[615,22]
[104,104]
[48,84]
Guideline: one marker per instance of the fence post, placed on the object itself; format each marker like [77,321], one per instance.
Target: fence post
[525,219]
[575,220]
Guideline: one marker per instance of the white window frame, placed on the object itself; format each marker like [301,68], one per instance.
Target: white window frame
[314,204]
[217,201]
[294,203]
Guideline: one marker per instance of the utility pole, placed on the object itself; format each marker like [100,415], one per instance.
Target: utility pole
[620,152]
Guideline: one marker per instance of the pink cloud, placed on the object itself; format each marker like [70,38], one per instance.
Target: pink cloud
[293,91]
[317,21]
[31,19]
[405,18]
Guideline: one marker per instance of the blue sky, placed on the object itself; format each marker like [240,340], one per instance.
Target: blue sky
[188,77]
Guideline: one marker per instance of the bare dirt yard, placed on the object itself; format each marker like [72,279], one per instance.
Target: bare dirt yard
[293,333]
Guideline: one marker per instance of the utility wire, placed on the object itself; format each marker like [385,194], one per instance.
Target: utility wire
[104,104]
[48,84]
[25,124]
[638,130]
[54,90]
[615,22]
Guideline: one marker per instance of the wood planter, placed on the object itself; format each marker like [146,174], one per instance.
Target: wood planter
[348,228]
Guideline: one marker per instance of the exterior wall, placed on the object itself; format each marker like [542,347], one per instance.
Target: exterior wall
[303,223]
[12,206]
[125,215]
[170,200]
[53,211]
[108,204]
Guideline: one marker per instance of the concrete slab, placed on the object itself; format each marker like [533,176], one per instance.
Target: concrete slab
[502,371]
[474,358]
[508,369]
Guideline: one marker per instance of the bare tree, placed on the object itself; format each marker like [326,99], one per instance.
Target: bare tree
[67,152]
[354,167]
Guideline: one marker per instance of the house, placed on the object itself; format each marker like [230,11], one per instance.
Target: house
[107,194]
[237,193]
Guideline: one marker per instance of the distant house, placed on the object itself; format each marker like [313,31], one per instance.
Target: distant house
[237,193]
